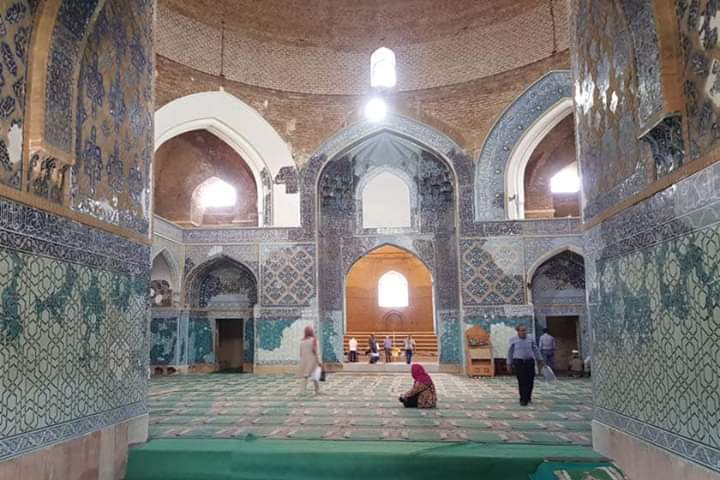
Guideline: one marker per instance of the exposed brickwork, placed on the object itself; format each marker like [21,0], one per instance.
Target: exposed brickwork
[188,160]
[325,47]
[553,153]
[464,111]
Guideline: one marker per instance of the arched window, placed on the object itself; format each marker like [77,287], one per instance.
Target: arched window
[382,68]
[386,202]
[392,290]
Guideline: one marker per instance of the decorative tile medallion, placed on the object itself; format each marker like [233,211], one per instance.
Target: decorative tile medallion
[288,275]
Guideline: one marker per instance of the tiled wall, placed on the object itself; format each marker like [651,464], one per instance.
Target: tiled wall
[17,30]
[652,269]
[73,314]
[481,278]
[114,135]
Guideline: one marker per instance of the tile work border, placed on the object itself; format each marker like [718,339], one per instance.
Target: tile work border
[685,447]
[39,232]
[21,444]
[683,208]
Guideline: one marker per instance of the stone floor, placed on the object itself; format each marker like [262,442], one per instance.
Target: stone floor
[364,407]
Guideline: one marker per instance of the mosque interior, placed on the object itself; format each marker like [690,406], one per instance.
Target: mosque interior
[187,187]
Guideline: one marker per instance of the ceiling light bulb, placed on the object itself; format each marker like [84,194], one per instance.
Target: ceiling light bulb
[375,110]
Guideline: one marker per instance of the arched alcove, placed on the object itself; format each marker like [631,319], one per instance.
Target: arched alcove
[540,153]
[164,285]
[513,138]
[557,283]
[221,283]
[389,290]
[428,160]
[197,163]
[254,139]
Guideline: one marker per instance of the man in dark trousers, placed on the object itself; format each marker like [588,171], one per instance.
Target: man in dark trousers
[521,360]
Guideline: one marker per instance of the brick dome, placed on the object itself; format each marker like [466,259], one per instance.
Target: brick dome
[324,46]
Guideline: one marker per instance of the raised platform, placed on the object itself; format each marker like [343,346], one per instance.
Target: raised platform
[318,460]
[395,367]
[425,342]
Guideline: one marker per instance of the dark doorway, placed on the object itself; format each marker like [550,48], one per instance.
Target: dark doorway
[565,331]
[230,344]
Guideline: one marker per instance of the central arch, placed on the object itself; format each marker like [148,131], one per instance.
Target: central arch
[331,180]
[396,275]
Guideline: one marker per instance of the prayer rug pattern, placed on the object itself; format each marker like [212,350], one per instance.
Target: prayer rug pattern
[364,407]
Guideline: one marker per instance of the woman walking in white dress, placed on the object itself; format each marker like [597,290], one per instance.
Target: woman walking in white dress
[310,363]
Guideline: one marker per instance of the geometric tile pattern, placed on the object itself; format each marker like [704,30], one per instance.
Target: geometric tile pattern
[114,134]
[14,47]
[288,275]
[492,271]
[658,317]
[365,407]
[72,345]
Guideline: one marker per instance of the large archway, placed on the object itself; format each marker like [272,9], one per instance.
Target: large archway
[389,292]
[345,235]
[557,285]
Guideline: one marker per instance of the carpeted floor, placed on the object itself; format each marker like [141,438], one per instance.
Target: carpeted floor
[364,407]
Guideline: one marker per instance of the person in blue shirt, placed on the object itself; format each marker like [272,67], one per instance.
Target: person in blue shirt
[521,358]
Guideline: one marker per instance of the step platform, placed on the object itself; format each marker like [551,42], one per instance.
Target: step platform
[262,459]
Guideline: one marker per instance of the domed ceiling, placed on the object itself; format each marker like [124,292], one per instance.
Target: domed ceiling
[324,46]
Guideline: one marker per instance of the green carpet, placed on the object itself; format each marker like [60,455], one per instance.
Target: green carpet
[264,459]
[365,407]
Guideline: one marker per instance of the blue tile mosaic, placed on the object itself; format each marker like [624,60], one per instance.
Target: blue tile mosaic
[200,341]
[507,132]
[70,28]
[163,341]
[14,41]
[269,331]
[114,130]
[288,275]
[493,271]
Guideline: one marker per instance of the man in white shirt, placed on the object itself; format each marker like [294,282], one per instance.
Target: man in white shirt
[353,349]
[521,358]
[548,344]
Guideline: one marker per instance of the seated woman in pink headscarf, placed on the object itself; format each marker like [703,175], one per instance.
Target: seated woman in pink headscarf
[422,394]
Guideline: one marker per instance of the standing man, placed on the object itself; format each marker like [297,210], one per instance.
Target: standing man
[548,344]
[521,360]
[373,349]
[409,348]
[387,346]
[352,344]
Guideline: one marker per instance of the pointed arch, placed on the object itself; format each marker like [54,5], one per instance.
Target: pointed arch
[165,255]
[548,255]
[243,128]
[195,277]
[509,129]
[523,150]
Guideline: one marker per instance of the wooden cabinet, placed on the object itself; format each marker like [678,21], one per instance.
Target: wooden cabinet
[478,353]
